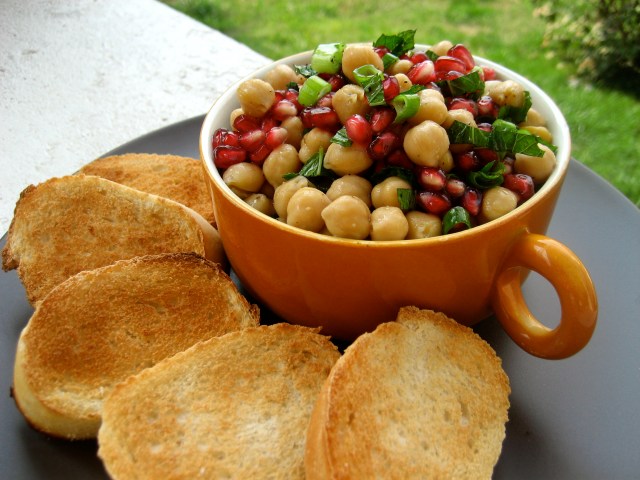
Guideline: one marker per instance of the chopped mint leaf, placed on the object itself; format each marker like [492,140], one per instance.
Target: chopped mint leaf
[491,175]
[455,220]
[305,70]
[398,44]
[341,138]
[516,114]
[370,79]
[316,173]
[470,85]
[406,199]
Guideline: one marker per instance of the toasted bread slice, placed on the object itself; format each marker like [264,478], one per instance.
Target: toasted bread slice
[235,406]
[171,176]
[422,397]
[101,326]
[81,222]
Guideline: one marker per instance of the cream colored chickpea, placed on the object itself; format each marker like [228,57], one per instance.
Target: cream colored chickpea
[235,114]
[312,142]
[426,143]
[442,47]
[350,100]
[535,118]
[305,207]
[347,160]
[240,193]
[446,162]
[256,97]
[401,66]
[403,82]
[505,92]
[432,107]
[388,223]
[496,202]
[295,130]
[283,159]
[281,76]
[541,132]
[347,217]
[262,203]
[357,55]
[351,185]
[245,176]
[538,168]
[461,115]
[284,192]
[423,225]
[385,193]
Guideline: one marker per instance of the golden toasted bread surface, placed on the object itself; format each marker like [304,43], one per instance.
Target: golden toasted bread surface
[422,397]
[101,326]
[235,406]
[74,223]
[175,177]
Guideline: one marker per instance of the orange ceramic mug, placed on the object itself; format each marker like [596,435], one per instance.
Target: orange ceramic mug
[348,287]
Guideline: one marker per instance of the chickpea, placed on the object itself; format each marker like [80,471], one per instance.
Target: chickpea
[347,160]
[350,100]
[446,162]
[535,118]
[403,82]
[347,217]
[295,130]
[496,202]
[313,141]
[538,168]
[240,193]
[256,97]
[245,176]
[461,115]
[281,76]
[357,55]
[432,107]
[426,143]
[351,185]
[305,207]
[262,203]
[284,192]
[505,92]
[541,132]
[385,193]
[441,48]
[388,223]
[267,189]
[283,159]
[423,225]
[401,66]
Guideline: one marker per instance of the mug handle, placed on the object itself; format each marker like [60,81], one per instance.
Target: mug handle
[566,273]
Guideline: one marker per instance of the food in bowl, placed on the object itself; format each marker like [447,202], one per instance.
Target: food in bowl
[384,141]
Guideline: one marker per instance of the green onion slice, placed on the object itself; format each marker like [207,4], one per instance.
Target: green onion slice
[388,59]
[406,105]
[312,90]
[370,79]
[327,57]
[455,220]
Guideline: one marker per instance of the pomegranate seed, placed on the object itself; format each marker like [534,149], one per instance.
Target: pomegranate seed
[326,101]
[359,129]
[431,179]
[486,155]
[471,201]
[384,144]
[268,122]
[461,52]
[260,155]
[224,156]
[418,57]
[489,73]
[487,107]
[520,184]
[467,161]
[447,76]
[283,109]
[508,165]
[275,137]
[222,136]
[252,140]
[390,87]
[464,104]
[381,118]
[324,117]
[445,64]
[434,202]
[245,123]
[422,73]
[336,82]
[305,116]
[292,96]
[279,95]
[381,51]
[487,127]
[398,158]
[455,187]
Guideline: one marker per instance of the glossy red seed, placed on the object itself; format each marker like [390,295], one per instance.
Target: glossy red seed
[260,155]
[336,82]
[461,52]
[431,179]
[447,76]
[489,73]
[455,187]
[487,107]
[384,144]
[422,73]
[418,57]
[486,155]
[358,129]
[268,122]
[276,137]
[434,202]
[326,101]
[283,110]
[279,95]
[398,158]
[218,137]
[245,123]
[464,104]
[446,64]
[252,140]
[224,156]
[390,87]
[471,201]
[381,118]
[487,127]
[520,184]
[292,95]
[467,161]
[325,118]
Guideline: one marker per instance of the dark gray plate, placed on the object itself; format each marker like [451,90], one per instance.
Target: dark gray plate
[569,419]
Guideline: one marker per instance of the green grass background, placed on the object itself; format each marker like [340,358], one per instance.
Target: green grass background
[604,123]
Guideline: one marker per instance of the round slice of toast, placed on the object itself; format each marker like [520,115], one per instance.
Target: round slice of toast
[101,326]
[236,406]
[171,176]
[422,397]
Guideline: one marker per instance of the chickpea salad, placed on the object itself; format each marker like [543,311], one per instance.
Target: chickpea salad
[384,141]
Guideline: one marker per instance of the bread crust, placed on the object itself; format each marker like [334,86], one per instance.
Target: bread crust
[80,222]
[422,397]
[101,326]
[235,406]
[175,177]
